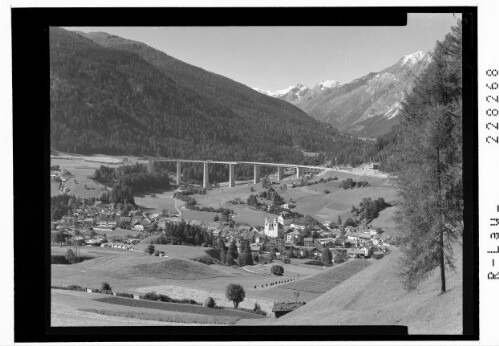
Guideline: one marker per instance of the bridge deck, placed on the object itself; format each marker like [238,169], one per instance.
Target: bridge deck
[241,163]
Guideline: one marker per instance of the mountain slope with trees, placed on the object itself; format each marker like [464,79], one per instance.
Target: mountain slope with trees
[367,106]
[120,100]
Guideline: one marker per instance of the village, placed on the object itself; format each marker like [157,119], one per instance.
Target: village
[281,237]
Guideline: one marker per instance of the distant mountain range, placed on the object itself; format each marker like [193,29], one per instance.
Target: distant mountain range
[116,96]
[365,107]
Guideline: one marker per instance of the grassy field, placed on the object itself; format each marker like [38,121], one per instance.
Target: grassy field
[312,286]
[180,251]
[385,220]
[70,308]
[186,308]
[182,319]
[115,267]
[218,198]
[175,268]
[118,232]
[125,264]
[311,200]
[160,201]
[203,216]
[375,296]
[80,170]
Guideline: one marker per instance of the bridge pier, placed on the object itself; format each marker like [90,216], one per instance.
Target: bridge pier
[299,172]
[256,171]
[179,173]
[280,173]
[232,176]
[206,181]
[150,167]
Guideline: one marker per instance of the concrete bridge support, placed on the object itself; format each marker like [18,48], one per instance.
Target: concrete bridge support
[206,181]
[256,171]
[280,173]
[179,173]
[299,172]
[150,167]
[232,176]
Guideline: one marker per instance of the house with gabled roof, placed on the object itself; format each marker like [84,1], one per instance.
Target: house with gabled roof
[294,234]
[282,308]
[308,242]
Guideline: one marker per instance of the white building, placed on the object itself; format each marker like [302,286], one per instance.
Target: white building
[272,230]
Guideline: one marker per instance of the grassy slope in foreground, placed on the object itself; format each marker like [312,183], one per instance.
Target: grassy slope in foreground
[375,296]
[79,309]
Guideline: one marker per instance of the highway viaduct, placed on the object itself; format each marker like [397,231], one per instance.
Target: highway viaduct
[300,169]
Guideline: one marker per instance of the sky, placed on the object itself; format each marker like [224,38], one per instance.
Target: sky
[273,58]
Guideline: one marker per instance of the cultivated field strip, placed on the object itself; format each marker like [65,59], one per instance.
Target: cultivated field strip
[314,286]
[328,279]
[184,308]
[182,319]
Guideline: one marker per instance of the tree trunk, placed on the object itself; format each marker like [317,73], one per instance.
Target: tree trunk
[442,262]
[441,231]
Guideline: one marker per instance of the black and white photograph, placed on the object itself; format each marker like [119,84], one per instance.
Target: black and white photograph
[257,175]
[225,178]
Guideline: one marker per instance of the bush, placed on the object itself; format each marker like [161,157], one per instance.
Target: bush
[184,301]
[160,240]
[258,310]
[150,249]
[348,184]
[277,270]
[70,256]
[314,262]
[205,260]
[150,296]
[209,302]
[253,311]
[76,288]
[126,295]
[163,298]
[105,287]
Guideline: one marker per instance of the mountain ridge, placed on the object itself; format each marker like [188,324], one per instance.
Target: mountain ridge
[111,95]
[375,98]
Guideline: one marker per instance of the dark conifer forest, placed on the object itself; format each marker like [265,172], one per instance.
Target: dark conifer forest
[132,99]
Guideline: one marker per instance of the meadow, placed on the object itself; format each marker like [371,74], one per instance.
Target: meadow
[376,296]
[187,308]
[70,308]
[312,286]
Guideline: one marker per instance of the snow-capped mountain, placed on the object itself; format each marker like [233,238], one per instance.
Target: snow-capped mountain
[413,58]
[295,93]
[328,84]
[367,106]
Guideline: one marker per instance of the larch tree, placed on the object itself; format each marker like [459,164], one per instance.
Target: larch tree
[429,161]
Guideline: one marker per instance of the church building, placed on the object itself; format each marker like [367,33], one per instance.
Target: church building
[274,229]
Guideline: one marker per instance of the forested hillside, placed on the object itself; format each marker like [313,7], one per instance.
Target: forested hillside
[113,101]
